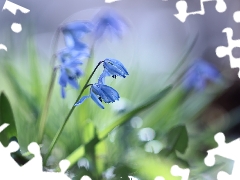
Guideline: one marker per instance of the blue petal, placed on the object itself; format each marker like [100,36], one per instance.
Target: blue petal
[77,28]
[63,78]
[69,40]
[115,67]
[111,93]
[200,85]
[113,70]
[73,82]
[107,93]
[78,72]
[95,99]
[119,65]
[109,22]
[81,100]
[198,74]
[73,63]
[96,88]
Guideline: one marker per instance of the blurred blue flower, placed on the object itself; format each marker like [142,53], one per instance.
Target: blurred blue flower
[198,75]
[100,92]
[113,67]
[109,22]
[69,71]
[74,31]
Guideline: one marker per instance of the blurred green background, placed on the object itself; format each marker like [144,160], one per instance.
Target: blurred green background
[156,123]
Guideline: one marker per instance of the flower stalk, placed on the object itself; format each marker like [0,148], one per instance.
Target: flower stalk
[55,139]
[44,113]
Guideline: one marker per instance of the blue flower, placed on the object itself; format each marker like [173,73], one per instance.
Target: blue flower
[100,92]
[198,75]
[109,22]
[113,67]
[74,31]
[69,71]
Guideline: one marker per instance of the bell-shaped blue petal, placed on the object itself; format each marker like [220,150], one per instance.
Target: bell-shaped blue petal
[106,93]
[96,99]
[99,93]
[115,68]
[111,94]
[108,22]
[63,78]
[81,100]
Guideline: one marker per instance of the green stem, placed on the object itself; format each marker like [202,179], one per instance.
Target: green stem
[56,137]
[44,114]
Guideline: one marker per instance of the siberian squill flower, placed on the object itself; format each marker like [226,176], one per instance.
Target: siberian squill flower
[198,75]
[71,56]
[100,92]
[109,22]
[69,71]
[113,67]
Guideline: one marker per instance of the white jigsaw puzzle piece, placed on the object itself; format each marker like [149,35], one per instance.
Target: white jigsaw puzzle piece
[227,150]
[222,51]
[2,46]
[33,169]
[9,167]
[12,7]
[177,171]
[7,163]
[35,164]
[236,16]
[64,164]
[182,9]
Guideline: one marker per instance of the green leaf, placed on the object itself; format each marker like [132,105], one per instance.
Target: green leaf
[22,94]
[177,139]
[6,116]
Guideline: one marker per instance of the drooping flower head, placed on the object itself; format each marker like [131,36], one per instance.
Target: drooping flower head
[109,23]
[198,75]
[113,67]
[100,92]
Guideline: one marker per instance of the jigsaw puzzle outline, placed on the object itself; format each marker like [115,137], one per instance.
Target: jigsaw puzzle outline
[33,169]
[226,150]
[222,149]
[182,6]
[222,51]
[13,8]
